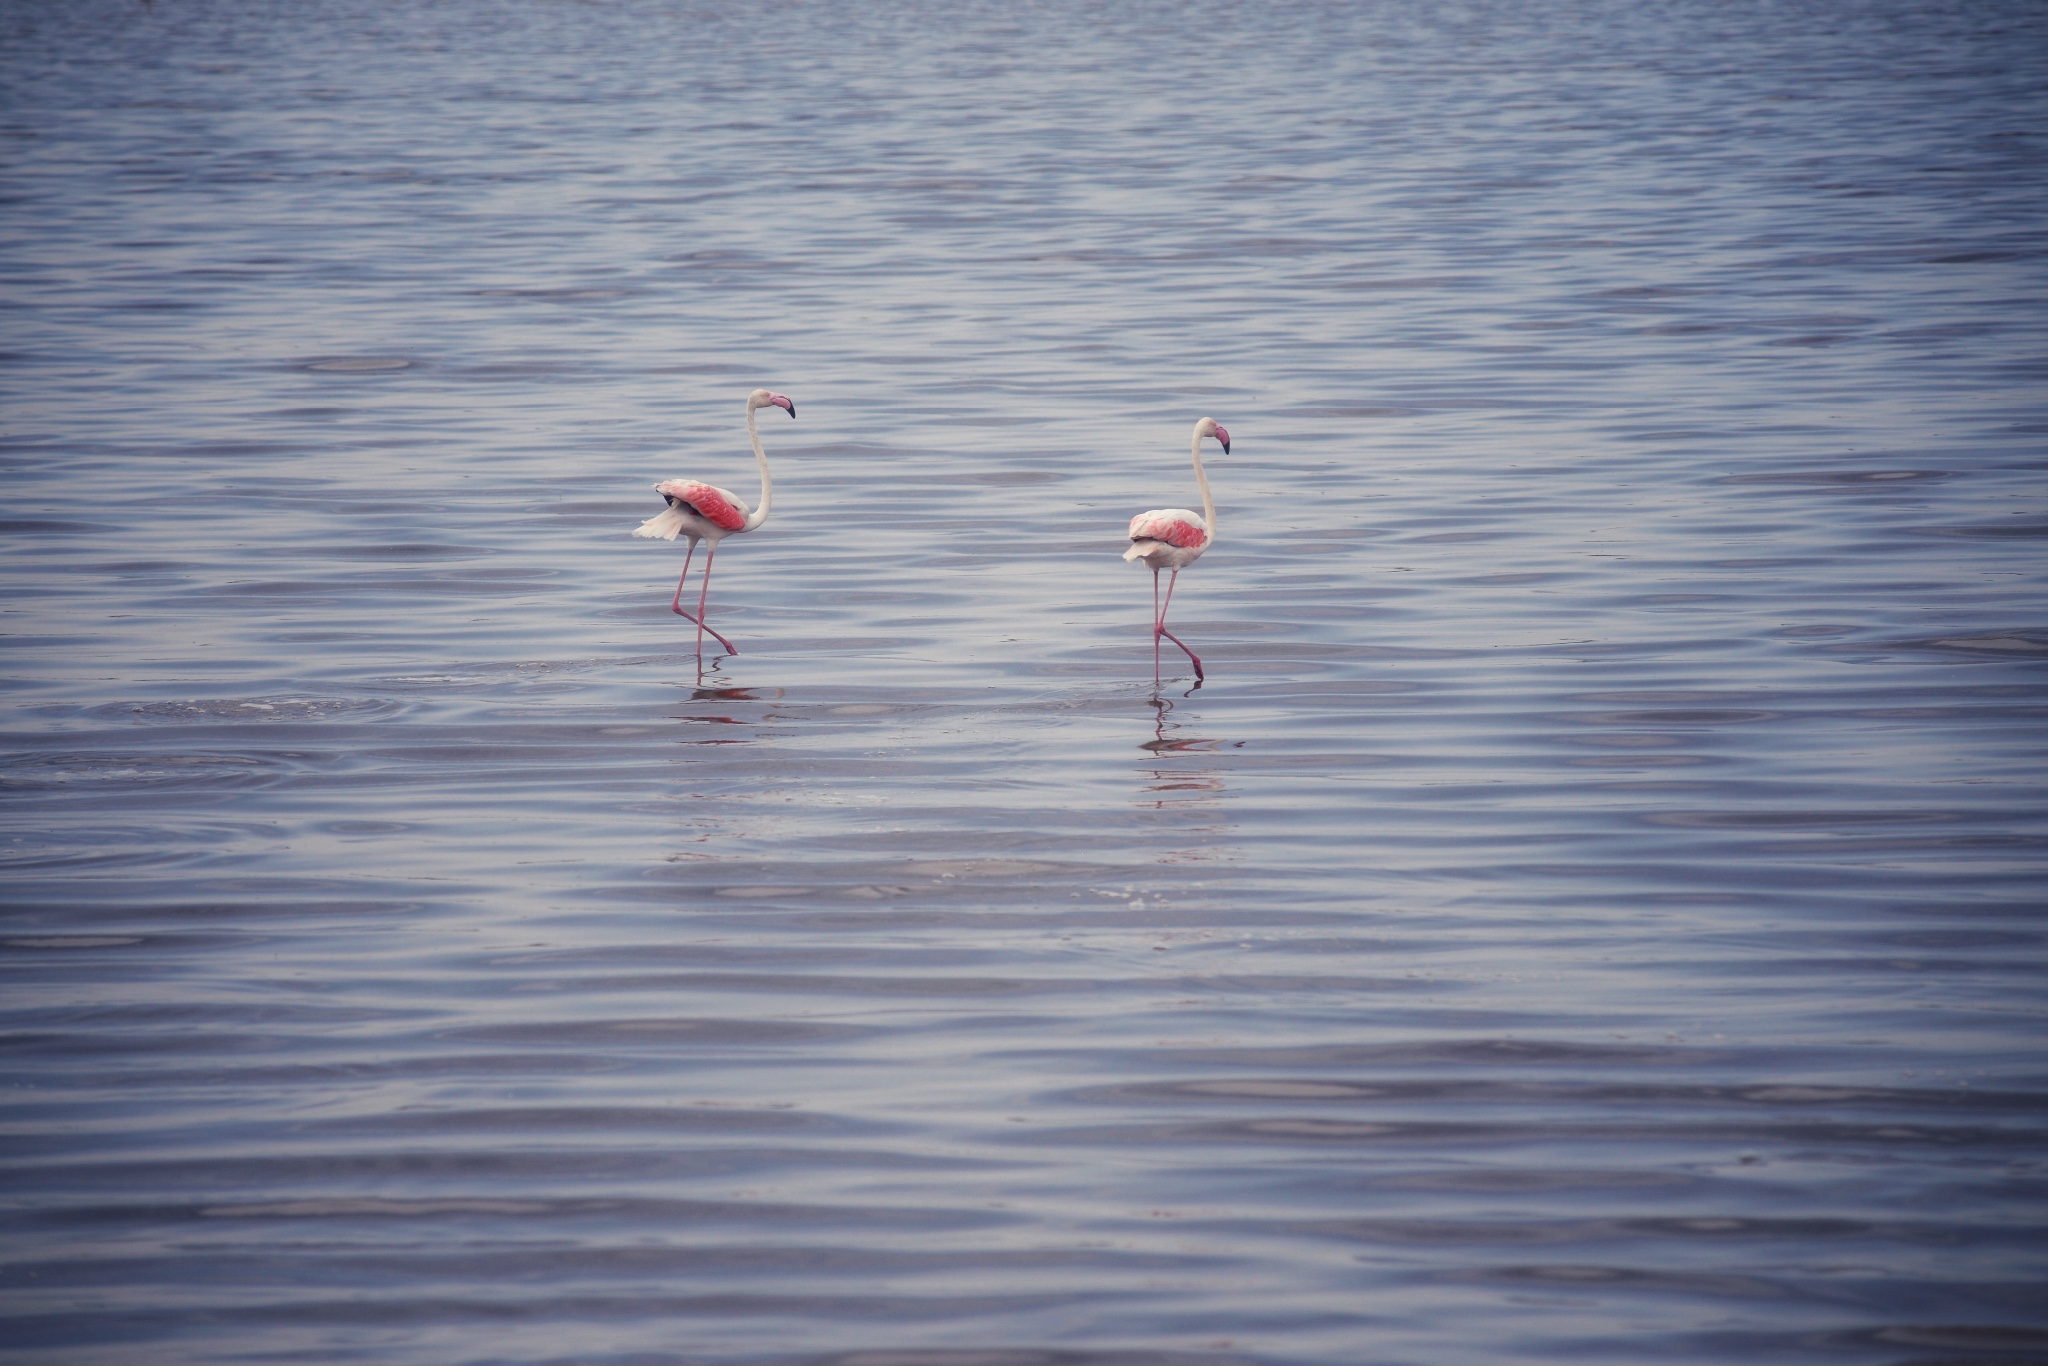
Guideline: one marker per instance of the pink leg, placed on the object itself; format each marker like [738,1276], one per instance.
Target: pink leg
[676,606]
[1193,658]
[1158,623]
[703,593]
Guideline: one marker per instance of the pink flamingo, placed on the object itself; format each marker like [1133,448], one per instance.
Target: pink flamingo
[1174,538]
[703,512]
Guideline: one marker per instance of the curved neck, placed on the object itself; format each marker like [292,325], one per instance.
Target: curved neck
[1202,478]
[760,513]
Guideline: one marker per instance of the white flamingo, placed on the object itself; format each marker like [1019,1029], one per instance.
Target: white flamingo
[1174,538]
[704,512]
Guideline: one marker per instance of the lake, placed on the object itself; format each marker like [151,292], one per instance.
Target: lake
[1591,910]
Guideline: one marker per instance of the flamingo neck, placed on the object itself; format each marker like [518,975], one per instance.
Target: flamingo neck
[760,513]
[1208,503]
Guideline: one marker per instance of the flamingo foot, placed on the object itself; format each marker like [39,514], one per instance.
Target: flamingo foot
[730,648]
[1193,658]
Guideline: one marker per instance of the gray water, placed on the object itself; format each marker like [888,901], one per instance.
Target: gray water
[1590,912]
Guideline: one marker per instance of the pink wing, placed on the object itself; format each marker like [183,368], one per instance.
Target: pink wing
[711,504]
[1168,527]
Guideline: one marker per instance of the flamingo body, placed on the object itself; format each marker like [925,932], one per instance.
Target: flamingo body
[703,511]
[1168,538]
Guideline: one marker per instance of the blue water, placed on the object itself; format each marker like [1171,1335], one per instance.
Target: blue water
[1591,910]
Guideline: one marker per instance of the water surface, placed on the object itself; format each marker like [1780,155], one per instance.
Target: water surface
[1591,911]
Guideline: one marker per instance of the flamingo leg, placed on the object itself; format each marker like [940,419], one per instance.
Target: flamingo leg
[1161,630]
[702,594]
[1158,624]
[676,605]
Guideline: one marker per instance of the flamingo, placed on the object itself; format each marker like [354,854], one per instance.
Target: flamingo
[1174,538]
[703,512]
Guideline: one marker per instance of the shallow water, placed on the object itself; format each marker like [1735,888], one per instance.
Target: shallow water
[1591,911]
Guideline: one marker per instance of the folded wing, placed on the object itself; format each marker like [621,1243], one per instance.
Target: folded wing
[1177,527]
[715,505]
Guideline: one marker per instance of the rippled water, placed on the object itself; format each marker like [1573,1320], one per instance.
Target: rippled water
[1592,910]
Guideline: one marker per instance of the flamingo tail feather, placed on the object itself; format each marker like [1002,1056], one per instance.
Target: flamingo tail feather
[664,525]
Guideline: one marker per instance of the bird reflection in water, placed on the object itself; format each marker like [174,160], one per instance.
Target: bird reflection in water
[734,694]
[1165,743]
[706,716]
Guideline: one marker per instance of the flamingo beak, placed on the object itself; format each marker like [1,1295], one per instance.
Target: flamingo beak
[782,401]
[1223,439]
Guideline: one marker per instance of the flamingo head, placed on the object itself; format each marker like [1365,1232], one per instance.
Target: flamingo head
[761,398]
[1209,426]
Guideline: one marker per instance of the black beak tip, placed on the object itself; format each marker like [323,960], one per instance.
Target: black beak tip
[1226,448]
[792,410]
